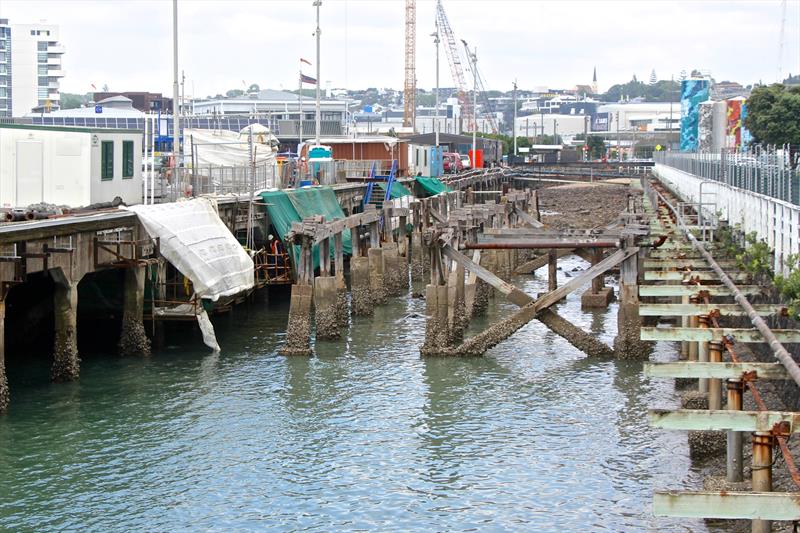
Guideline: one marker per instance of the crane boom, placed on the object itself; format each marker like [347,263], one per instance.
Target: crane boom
[456,66]
[410,85]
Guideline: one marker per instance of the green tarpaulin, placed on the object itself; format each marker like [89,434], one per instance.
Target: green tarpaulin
[293,205]
[432,185]
[398,189]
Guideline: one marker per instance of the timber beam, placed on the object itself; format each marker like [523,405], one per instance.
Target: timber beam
[724,420]
[695,369]
[727,505]
[706,309]
[788,336]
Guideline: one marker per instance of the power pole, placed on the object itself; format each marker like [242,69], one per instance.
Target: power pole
[514,125]
[318,124]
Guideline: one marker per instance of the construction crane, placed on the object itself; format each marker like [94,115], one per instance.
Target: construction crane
[410,85]
[456,68]
[487,104]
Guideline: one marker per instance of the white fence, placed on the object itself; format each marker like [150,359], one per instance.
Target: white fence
[774,221]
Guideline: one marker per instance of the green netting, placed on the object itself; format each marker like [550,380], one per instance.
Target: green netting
[288,206]
[432,185]
[398,189]
[310,201]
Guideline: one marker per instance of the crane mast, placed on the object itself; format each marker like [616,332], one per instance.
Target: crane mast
[456,67]
[410,85]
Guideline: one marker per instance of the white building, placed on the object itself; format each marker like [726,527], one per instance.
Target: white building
[69,166]
[35,67]
[5,71]
[643,117]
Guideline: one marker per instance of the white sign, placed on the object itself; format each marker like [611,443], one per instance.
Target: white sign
[524,149]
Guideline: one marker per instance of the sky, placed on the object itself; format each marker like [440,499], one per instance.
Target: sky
[127,44]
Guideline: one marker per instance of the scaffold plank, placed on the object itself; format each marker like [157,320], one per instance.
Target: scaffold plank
[722,420]
[689,290]
[728,505]
[695,369]
[715,334]
[703,275]
[685,263]
[704,309]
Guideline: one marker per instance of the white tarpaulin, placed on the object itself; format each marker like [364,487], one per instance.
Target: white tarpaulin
[228,148]
[196,242]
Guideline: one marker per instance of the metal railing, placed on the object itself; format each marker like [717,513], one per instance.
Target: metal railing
[771,171]
[171,184]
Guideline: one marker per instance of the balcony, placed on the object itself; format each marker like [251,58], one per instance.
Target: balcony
[54,61]
[55,49]
[56,73]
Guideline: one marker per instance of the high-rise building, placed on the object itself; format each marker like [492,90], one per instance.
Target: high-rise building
[36,67]
[5,68]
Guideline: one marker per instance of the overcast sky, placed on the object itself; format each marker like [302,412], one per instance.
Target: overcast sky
[127,44]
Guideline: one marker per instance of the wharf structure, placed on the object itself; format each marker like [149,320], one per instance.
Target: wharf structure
[464,238]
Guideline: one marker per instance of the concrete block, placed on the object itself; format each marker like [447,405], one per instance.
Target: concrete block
[600,299]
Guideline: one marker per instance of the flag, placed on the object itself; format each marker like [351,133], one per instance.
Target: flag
[307,79]
[306,61]
[93,87]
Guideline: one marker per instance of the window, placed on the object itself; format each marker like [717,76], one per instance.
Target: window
[41,46]
[107,160]
[33,32]
[42,70]
[41,57]
[127,159]
[2,56]
[43,81]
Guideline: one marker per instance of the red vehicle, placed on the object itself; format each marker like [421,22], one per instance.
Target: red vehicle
[452,162]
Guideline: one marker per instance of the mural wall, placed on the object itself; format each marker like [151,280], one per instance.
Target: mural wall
[693,93]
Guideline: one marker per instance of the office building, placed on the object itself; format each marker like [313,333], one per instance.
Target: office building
[35,67]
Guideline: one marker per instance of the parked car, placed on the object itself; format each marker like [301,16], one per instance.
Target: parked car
[452,162]
[465,162]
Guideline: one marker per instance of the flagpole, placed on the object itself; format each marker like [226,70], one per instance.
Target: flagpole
[300,107]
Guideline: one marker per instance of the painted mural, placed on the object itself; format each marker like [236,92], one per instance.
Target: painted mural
[733,130]
[693,93]
[705,127]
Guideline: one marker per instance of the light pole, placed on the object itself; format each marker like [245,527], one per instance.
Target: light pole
[555,126]
[514,126]
[176,115]
[435,36]
[474,106]
[316,4]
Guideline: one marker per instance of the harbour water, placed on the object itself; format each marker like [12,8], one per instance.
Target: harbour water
[363,436]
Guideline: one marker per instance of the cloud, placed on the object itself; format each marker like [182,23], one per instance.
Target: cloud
[127,44]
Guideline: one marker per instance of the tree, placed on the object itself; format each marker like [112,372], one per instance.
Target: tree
[233,93]
[773,114]
[653,78]
[254,88]
[74,101]
[596,145]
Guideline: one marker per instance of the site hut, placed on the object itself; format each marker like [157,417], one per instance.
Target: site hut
[492,149]
[69,165]
[354,156]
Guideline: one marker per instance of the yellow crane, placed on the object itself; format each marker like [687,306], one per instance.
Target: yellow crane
[410,85]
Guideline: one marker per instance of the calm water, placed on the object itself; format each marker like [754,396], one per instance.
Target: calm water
[363,436]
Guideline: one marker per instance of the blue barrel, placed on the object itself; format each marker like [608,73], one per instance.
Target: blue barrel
[305,183]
